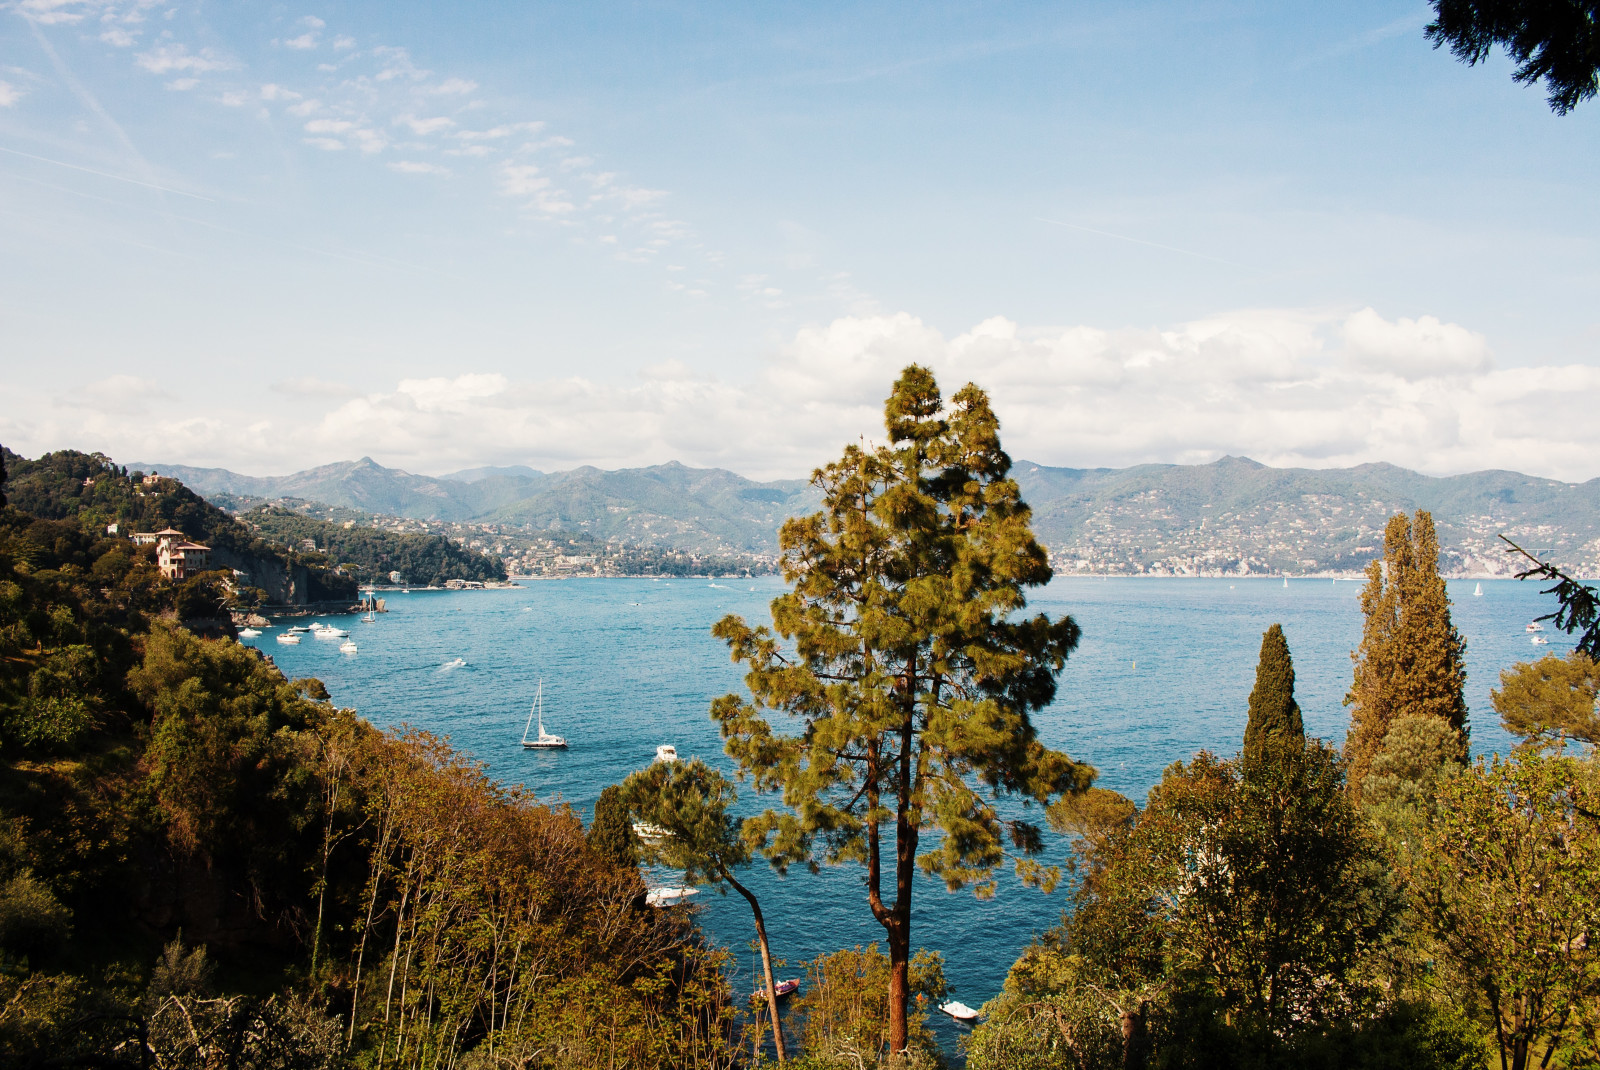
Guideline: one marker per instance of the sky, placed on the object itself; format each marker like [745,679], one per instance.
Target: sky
[266,236]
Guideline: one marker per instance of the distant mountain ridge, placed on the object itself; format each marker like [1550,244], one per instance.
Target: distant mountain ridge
[1232,516]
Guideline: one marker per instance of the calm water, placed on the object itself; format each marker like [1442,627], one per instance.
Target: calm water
[1164,669]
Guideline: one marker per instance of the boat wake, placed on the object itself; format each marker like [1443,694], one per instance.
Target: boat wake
[453,663]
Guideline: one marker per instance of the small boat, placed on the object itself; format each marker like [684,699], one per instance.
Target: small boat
[649,833]
[544,741]
[300,629]
[668,897]
[1477,592]
[666,753]
[1539,640]
[348,647]
[1534,626]
[960,1011]
[1286,581]
[332,633]
[780,988]
[453,663]
[369,618]
[249,633]
[288,637]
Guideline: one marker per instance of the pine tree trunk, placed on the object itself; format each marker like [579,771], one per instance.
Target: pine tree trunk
[766,962]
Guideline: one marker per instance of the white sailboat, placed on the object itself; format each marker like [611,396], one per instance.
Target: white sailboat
[544,741]
[1286,581]
[1477,592]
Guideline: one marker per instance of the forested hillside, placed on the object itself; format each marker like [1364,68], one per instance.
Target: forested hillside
[371,555]
[92,493]
[203,863]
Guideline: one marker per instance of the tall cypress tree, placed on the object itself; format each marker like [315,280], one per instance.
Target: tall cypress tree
[1411,662]
[1274,714]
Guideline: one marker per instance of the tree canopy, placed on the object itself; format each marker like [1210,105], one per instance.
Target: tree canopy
[1556,42]
[1274,715]
[909,667]
[1411,662]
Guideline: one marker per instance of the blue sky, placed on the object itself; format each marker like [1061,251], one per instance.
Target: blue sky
[269,236]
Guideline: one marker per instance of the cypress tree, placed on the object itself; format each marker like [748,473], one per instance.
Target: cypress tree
[1411,662]
[611,834]
[1274,714]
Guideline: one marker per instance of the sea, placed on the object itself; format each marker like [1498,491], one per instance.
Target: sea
[1164,669]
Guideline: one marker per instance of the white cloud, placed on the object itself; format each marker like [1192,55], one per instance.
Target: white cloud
[342,43]
[1414,349]
[454,87]
[1279,386]
[51,12]
[302,43]
[313,22]
[168,58]
[9,95]
[426,126]
[326,143]
[119,38]
[330,126]
[183,84]
[273,91]
[417,167]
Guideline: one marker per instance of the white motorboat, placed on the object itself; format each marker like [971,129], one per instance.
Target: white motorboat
[666,753]
[960,1011]
[669,897]
[649,833]
[249,633]
[348,647]
[300,629]
[1534,626]
[326,632]
[288,637]
[544,740]
[1539,640]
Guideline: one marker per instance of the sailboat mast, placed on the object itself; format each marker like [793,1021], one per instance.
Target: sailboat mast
[531,712]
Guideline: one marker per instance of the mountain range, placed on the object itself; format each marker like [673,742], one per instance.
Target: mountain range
[1231,516]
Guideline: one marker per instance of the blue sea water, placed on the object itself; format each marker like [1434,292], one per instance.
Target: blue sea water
[1164,669]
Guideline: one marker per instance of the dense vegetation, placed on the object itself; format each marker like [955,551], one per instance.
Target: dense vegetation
[1268,910]
[90,492]
[371,555]
[203,863]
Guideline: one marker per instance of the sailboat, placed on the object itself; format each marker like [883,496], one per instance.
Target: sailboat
[545,740]
[1477,592]
[1286,581]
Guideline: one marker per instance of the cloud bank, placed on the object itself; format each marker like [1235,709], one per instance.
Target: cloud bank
[1283,387]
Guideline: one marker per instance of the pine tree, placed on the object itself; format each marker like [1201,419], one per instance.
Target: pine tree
[1274,714]
[1411,662]
[912,667]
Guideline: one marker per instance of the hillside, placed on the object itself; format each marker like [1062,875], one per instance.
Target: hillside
[1230,516]
[91,492]
[372,556]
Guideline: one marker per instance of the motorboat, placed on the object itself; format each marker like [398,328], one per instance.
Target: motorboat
[300,629]
[669,897]
[544,740]
[780,989]
[666,753]
[249,633]
[288,637]
[1539,640]
[326,632]
[649,833]
[348,647]
[960,1011]
[1534,626]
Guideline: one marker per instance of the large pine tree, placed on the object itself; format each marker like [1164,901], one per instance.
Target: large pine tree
[1411,662]
[911,668]
[1274,714]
